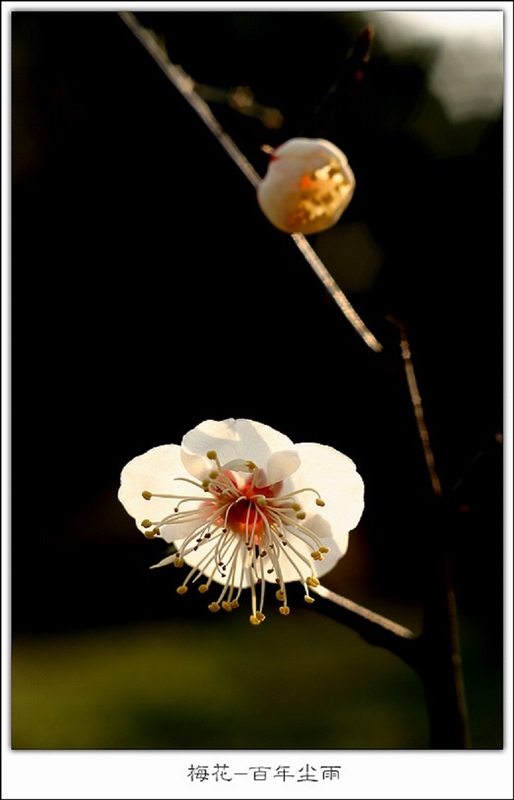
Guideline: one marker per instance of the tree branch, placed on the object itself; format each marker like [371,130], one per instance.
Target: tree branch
[441,669]
[373,627]
[186,86]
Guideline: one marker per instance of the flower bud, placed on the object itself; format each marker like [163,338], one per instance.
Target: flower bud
[307,187]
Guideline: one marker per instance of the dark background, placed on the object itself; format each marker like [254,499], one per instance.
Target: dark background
[149,293]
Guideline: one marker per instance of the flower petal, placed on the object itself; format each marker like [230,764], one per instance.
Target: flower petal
[279,466]
[335,477]
[230,439]
[155,471]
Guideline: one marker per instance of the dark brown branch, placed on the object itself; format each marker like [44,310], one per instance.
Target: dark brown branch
[441,670]
[374,628]
[185,85]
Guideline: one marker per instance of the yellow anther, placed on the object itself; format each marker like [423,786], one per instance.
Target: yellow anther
[203,588]
[301,515]
[181,589]
[147,495]
[213,607]
[311,581]
[320,502]
[234,604]
[226,606]
[146,523]
[316,555]
[179,562]
[279,595]
[285,610]
[213,474]
[260,500]
[254,620]
[296,507]
[152,533]
[308,598]
[260,616]
[205,484]
[212,455]
[324,549]
[251,466]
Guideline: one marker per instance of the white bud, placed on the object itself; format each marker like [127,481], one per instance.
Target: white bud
[307,186]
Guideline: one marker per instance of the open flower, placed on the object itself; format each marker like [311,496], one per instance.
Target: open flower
[243,507]
[307,187]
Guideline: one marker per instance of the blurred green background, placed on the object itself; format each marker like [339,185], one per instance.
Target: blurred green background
[219,684]
[149,293]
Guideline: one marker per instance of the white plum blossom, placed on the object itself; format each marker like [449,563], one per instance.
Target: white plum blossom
[307,186]
[243,507]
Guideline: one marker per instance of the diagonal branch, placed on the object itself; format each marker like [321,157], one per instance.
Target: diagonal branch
[186,86]
[374,628]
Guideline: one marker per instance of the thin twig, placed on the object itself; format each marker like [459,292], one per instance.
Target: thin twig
[186,86]
[417,405]
[337,293]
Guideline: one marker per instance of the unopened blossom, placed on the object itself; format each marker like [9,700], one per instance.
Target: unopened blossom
[244,507]
[307,186]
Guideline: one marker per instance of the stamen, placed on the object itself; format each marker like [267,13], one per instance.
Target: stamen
[240,537]
[299,491]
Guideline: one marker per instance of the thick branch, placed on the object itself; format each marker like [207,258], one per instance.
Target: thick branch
[441,670]
[374,628]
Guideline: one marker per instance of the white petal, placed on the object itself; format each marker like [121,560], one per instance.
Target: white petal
[335,477]
[230,439]
[155,471]
[280,465]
